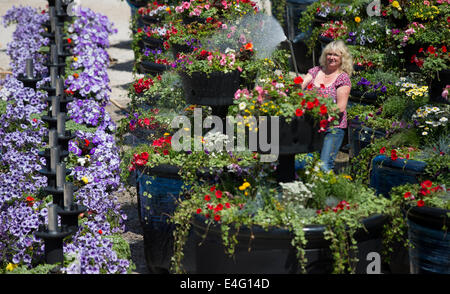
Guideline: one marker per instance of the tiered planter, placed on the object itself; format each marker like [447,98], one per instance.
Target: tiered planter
[300,135]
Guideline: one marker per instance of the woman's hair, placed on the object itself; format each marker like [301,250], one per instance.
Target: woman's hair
[338,46]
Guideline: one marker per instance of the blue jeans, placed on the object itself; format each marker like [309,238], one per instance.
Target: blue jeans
[331,145]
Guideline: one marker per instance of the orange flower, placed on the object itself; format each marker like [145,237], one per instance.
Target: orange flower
[75,75]
[249,46]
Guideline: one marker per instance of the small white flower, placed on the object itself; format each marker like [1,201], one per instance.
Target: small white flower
[443,119]
[424,133]
[242,105]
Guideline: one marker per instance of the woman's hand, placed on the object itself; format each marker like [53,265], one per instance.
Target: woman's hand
[342,94]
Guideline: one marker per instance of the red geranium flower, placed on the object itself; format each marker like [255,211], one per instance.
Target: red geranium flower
[323,109]
[207,197]
[323,123]
[431,49]
[407,195]
[199,210]
[217,217]
[212,188]
[309,105]
[219,194]
[298,80]
[426,184]
[394,154]
[420,203]
[298,112]
[383,150]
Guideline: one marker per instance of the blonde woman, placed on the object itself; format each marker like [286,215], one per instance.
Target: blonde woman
[332,78]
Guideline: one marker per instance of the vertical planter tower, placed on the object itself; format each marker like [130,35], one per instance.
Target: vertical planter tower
[63,205]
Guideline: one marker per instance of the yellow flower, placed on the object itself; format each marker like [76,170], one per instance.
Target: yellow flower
[75,58]
[11,266]
[357,19]
[395,4]
[166,134]
[85,180]
[348,177]
[244,186]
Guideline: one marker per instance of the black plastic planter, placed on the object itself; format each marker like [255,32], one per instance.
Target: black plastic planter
[300,135]
[430,240]
[152,43]
[147,67]
[363,97]
[270,251]
[149,20]
[360,136]
[215,89]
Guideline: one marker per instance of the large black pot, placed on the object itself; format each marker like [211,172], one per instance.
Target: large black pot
[270,252]
[215,89]
[159,190]
[430,240]
[300,135]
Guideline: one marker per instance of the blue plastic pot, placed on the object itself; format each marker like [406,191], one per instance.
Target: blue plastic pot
[430,240]
[387,173]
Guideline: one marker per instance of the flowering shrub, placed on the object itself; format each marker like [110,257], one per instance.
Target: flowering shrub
[432,60]
[155,10]
[284,97]
[334,29]
[432,121]
[210,61]
[426,193]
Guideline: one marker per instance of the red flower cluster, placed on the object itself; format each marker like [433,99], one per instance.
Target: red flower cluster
[142,85]
[310,105]
[394,154]
[431,51]
[211,209]
[426,189]
[139,160]
[341,206]
[334,29]
[148,123]
[163,145]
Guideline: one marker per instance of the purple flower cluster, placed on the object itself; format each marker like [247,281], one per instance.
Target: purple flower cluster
[90,113]
[27,39]
[368,85]
[89,33]
[21,136]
